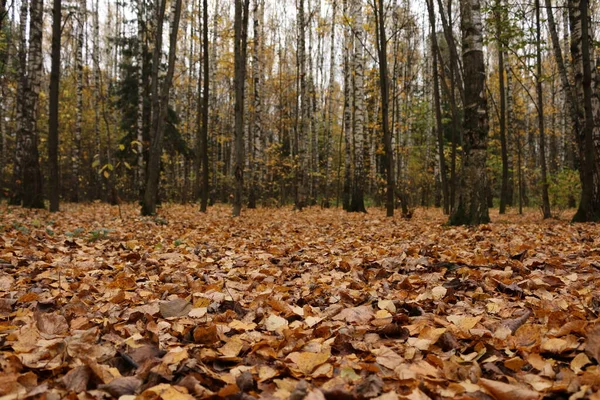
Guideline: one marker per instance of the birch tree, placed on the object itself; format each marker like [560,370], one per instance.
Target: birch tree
[471,208]
[27,174]
[357,203]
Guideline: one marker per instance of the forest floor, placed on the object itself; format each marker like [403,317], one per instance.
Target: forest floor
[280,304]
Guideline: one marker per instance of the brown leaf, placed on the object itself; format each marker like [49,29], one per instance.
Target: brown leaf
[360,315]
[592,343]
[505,391]
[515,323]
[146,352]
[371,386]
[206,334]
[122,386]
[76,380]
[51,324]
[395,331]
[175,308]
[245,381]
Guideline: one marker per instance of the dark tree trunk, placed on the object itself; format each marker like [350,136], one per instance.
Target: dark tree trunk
[438,108]
[384,88]
[472,203]
[53,107]
[240,46]
[504,200]
[160,107]
[589,206]
[540,94]
[205,96]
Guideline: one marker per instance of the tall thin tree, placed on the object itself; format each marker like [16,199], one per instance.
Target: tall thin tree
[471,208]
[205,104]
[379,11]
[540,108]
[240,51]
[54,185]
[160,105]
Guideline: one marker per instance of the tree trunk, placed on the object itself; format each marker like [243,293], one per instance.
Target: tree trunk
[589,138]
[53,107]
[30,177]
[140,170]
[471,208]
[348,128]
[329,137]
[256,123]
[540,98]
[384,88]
[18,165]
[205,97]
[500,22]
[240,46]
[438,108]
[303,110]
[357,204]
[160,106]
[76,152]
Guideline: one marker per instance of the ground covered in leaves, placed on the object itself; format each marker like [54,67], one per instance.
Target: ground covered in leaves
[278,304]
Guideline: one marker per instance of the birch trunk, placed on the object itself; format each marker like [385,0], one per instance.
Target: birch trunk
[256,118]
[18,165]
[357,203]
[303,110]
[330,91]
[471,208]
[588,88]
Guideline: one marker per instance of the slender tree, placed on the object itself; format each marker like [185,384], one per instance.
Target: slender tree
[27,174]
[141,38]
[348,126]
[357,203]
[53,107]
[587,85]
[438,108]
[540,99]
[76,154]
[303,111]
[471,208]
[379,11]
[240,51]
[160,105]
[255,129]
[205,101]
[500,22]
[330,91]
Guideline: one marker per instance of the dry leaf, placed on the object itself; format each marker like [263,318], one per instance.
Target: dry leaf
[505,391]
[175,308]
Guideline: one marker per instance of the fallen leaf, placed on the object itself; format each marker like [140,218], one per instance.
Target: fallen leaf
[175,308]
[307,361]
[505,391]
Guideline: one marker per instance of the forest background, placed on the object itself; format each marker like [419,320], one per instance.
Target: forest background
[147,103]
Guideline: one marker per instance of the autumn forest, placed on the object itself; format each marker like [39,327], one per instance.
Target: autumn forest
[300,199]
[329,103]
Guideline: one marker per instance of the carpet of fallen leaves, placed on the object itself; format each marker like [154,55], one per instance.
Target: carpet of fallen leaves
[279,304]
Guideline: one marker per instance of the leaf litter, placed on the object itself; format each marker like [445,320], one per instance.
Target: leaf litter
[279,304]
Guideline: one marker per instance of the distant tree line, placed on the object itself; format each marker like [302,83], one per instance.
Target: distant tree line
[464,105]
